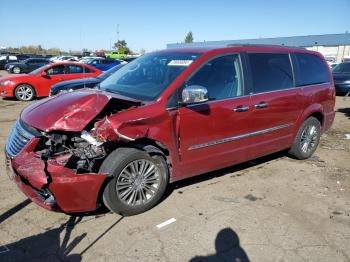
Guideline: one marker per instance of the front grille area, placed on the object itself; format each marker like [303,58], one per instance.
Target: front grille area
[18,139]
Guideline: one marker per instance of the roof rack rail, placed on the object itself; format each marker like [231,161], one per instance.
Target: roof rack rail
[265,45]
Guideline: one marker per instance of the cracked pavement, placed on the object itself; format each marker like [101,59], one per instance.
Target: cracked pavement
[271,209]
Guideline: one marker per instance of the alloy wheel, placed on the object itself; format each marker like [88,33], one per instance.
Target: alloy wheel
[138,182]
[24,92]
[308,138]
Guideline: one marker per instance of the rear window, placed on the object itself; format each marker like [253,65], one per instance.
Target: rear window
[270,71]
[310,70]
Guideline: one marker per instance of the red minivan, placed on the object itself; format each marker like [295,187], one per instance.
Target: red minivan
[167,116]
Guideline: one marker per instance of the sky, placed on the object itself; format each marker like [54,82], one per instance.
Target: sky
[151,24]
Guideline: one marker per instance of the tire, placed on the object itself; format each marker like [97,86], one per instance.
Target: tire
[306,142]
[24,92]
[129,194]
[16,70]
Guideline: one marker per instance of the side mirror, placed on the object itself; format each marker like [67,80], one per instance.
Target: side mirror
[43,74]
[194,94]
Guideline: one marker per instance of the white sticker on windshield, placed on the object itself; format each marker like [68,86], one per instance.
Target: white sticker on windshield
[180,62]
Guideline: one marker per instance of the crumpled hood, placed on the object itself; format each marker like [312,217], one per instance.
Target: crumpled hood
[66,112]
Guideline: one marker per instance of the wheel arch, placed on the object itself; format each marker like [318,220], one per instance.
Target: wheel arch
[315,110]
[318,115]
[154,147]
[14,90]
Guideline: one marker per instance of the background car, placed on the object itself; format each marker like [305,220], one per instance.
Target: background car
[103,63]
[57,59]
[4,59]
[341,77]
[38,82]
[26,66]
[72,85]
[84,59]
[115,54]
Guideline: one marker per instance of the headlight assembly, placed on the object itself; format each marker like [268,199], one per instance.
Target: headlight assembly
[6,83]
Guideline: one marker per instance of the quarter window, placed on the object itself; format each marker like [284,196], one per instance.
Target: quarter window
[221,77]
[311,70]
[270,72]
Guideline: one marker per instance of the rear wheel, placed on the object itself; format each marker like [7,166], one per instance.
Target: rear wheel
[138,181]
[16,70]
[24,92]
[307,139]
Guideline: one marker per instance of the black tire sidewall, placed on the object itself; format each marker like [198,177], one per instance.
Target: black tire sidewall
[296,149]
[125,157]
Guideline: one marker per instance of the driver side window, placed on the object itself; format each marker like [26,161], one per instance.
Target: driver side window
[221,76]
[56,70]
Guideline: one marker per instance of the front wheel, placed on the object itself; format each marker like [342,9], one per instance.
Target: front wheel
[138,181]
[16,70]
[307,139]
[24,92]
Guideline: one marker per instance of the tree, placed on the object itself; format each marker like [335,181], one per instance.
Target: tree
[122,47]
[142,51]
[189,37]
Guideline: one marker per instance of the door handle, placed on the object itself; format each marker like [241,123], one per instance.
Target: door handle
[261,105]
[241,109]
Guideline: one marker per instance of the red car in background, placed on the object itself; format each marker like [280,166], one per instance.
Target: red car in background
[38,82]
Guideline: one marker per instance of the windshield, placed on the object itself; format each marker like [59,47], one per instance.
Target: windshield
[36,71]
[147,77]
[342,68]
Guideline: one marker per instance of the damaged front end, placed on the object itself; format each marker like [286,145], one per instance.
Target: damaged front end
[59,169]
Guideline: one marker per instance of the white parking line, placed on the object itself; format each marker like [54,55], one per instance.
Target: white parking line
[4,249]
[165,223]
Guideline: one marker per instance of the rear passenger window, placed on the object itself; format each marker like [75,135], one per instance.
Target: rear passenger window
[87,70]
[75,69]
[310,70]
[270,72]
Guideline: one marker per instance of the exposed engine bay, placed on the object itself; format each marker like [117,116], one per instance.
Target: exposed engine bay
[82,151]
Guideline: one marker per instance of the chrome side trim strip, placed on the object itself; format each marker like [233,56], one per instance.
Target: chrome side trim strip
[232,138]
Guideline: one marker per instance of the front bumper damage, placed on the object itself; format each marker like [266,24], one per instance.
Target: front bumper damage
[55,160]
[51,185]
